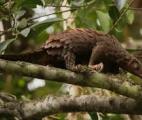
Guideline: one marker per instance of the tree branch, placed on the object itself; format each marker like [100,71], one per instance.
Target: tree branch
[51,105]
[119,83]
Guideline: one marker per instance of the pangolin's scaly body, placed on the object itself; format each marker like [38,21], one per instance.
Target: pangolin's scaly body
[82,46]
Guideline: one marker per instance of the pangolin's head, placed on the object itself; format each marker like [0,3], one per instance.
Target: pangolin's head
[134,66]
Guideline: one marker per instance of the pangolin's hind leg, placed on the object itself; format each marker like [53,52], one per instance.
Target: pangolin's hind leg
[70,62]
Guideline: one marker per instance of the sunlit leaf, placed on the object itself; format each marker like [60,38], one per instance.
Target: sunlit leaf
[25,32]
[23,23]
[120,4]
[44,24]
[43,2]
[77,3]
[21,82]
[4,44]
[20,13]
[130,16]
[104,20]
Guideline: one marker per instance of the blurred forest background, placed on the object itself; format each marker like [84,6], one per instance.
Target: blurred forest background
[26,24]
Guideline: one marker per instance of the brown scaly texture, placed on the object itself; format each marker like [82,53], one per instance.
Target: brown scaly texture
[82,46]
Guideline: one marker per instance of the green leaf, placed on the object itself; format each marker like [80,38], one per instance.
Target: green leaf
[20,13]
[2,2]
[4,44]
[130,16]
[120,4]
[104,20]
[107,2]
[39,26]
[44,24]
[27,3]
[25,32]
[23,23]
[93,115]
[41,37]
[77,3]
[86,18]
[21,83]
[114,13]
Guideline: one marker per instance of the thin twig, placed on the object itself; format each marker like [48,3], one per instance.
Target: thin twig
[68,6]
[4,32]
[51,14]
[121,15]
[133,50]
[132,8]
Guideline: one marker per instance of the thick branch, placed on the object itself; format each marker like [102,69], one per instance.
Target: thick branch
[51,105]
[118,84]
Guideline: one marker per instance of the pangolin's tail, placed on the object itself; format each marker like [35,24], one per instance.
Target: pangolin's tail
[37,57]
